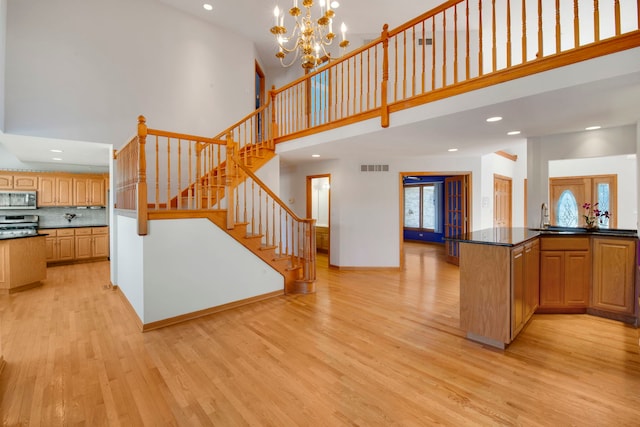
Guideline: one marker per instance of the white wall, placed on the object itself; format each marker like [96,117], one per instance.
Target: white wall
[85,70]
[191,265]
[578,145]
[365,206]
[3,38]
[622,166]
[129,256]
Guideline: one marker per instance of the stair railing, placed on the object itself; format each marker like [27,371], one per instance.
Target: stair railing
[269,219]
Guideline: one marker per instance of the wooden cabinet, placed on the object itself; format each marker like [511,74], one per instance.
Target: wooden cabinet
[613,287]
[565,274]
[18,181]
[498,290]
[322,239]
[92,242]
[89,191]
[525,265]
[55,191]
[60,245]
[22,263]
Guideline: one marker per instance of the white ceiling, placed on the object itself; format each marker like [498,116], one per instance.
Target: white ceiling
[605,100]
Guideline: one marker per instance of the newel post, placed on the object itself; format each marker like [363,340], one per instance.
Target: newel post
[274,123]
[384,107]
[141,185]
[230,175]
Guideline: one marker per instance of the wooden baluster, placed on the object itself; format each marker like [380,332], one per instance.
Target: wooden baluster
[403,95]
[384,108]
[342,90]
[375,77]
[508,33]
[424,62]
[433,53]
[395,65]
[413,57]
[368,79]
[191,182]
[596,21]
[280,248]
[157,175]
[210,184]
[168,173]
[444,48]
[141,187]
[361,85]
[348,85]
[524,31]
[455,44]
[245,218]
[330,97]
[468,40]
[616,5]
[576,24]
[494,48]
[259,210]
[558,28]
[480,53]
[229,188]
[179,196]
[274,111]
[219,183]
[253,210]
[540,44]
[273,215]
[198,182]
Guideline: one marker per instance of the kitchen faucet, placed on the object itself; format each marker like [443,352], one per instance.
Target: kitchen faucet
[544,216]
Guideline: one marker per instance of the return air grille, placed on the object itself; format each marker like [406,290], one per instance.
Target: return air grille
[374,168]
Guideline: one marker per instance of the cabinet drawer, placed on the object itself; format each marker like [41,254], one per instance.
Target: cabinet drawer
[64,232]
[83,231]
[100,230]
[564,243]
[48,232]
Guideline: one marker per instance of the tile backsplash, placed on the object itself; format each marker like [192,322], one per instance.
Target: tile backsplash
[55,217]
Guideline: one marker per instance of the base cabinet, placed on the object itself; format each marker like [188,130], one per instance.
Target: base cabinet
[565,274]
[613,287]
[525,267]
[60,245]
[71,244]
[92,243]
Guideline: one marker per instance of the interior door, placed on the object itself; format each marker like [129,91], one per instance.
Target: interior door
[456,205]
[502,193]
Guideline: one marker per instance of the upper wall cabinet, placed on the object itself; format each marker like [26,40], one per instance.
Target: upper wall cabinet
[55,191]
[18,181]
[89,191]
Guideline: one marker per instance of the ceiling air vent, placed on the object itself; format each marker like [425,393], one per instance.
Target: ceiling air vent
[426,42]
[374,168]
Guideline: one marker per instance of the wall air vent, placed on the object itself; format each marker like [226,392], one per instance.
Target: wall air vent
[426,42]
[374,168]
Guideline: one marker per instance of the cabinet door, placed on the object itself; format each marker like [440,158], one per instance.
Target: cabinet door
[84,247]
[517,290]
[46,191]
[6,182]
[613,275]
[97,192]
[551,278]
[101,245]
[25,182]
[532,278]
[577,274]
[66,248]
[80,192]
[50,245]
[64,188]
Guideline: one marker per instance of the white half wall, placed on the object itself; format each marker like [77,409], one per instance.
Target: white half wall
[191,265]
[129,258]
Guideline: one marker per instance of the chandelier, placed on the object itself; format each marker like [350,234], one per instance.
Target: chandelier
[310,38]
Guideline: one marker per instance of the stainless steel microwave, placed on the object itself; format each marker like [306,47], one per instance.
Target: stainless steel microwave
[17,200]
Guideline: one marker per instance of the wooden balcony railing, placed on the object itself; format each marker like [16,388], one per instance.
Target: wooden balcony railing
[459,46]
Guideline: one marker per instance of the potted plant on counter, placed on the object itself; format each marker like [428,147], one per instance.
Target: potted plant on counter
[593,216]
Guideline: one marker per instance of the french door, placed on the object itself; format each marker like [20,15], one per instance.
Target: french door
[456,214]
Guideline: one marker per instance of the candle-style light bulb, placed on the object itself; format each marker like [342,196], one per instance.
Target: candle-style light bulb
[343,30]
[322,4]
[276,14]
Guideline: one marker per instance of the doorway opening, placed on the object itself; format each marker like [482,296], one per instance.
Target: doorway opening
[318,208]
[438,209]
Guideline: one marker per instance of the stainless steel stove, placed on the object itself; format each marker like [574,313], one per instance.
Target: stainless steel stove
[12,226]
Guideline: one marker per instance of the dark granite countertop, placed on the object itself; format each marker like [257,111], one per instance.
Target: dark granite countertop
[71,226]
[517,235]
[21,237]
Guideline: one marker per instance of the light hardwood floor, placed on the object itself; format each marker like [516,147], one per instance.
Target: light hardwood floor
[370,348]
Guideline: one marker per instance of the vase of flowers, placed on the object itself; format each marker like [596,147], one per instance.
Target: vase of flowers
[593,216]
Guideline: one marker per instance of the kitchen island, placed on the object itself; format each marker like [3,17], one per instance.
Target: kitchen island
[22,263]
[508,274]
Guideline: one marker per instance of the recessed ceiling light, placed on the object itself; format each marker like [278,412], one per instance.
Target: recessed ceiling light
[592,127]
[452,150]
[315,155]
[56,158]
[55,150]
[207,6]
[494,119]
[514,132]
[335,4]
